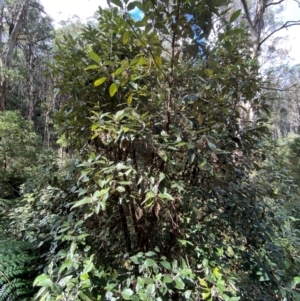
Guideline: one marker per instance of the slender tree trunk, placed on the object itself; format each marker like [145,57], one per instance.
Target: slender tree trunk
[6,62]
[31,101]
[2,78]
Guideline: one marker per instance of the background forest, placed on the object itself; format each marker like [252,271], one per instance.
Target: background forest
[149,159]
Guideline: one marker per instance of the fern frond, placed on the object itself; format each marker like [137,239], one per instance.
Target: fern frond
[15,270]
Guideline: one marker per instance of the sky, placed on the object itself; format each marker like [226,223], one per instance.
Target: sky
[292,12]
[63,9]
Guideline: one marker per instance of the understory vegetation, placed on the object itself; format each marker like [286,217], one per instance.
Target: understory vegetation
[147,158]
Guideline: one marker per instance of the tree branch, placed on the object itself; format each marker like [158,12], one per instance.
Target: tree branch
[275,3]
[280,90]
[246,9]
[297,1]
[285,25]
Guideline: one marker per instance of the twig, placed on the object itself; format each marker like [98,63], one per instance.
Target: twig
[275,3]
[281,90]
[285,25]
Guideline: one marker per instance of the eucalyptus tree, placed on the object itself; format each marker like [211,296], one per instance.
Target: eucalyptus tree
[13,26]
[26,35]
[256,14]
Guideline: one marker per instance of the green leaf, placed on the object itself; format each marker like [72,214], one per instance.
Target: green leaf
[203,282]
[65,265]
[264,277]
[149,195]
[127,293]
[99,81]
[87,200]
[72,248]
[97,194]
[166,265]
[118,116]
[92,67]
[202,163]
[94,127]
[158,61]
[208,72]
[119,71]
[142,61]
[64,281]
[205,295]
[84,276]
[191,155]
[120,189]
[150,253]
[165,196]
[135,259]
[113,89]
[126,37]
[235,15]
[110,287]
[88,267]
[40,279]
[95,57]
[211,145]
[185,272]
[129,99]
[167,279]
[163,155]
[187,294]
[179,284]
[149,262]
[117,3]
[150,289]
[296,281]
[162,176]
[217,273]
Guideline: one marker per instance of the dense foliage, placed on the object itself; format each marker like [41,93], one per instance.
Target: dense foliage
[165,186]
[18,152]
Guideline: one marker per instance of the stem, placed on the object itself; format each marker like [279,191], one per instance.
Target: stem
[171,75]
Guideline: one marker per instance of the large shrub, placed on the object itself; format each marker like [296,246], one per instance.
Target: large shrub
[163,196]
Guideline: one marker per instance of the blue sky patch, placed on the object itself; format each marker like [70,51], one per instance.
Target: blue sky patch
[136,14]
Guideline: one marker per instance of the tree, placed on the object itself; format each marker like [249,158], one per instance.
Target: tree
[256,21]
[165,195]
[26,35]
[13,32]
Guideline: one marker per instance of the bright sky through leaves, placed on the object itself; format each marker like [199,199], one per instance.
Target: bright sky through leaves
[64,9]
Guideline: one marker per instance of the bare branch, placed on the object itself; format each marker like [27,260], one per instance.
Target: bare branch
[285,25]
[297,1]
[38,7]
[280,90]
[246,9]
[275,3]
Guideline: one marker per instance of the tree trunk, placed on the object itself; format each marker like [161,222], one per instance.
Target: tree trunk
[31,96]
[6,63]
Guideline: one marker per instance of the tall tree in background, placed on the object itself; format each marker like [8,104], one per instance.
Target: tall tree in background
[255,14]
[26,38]
[14,25]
